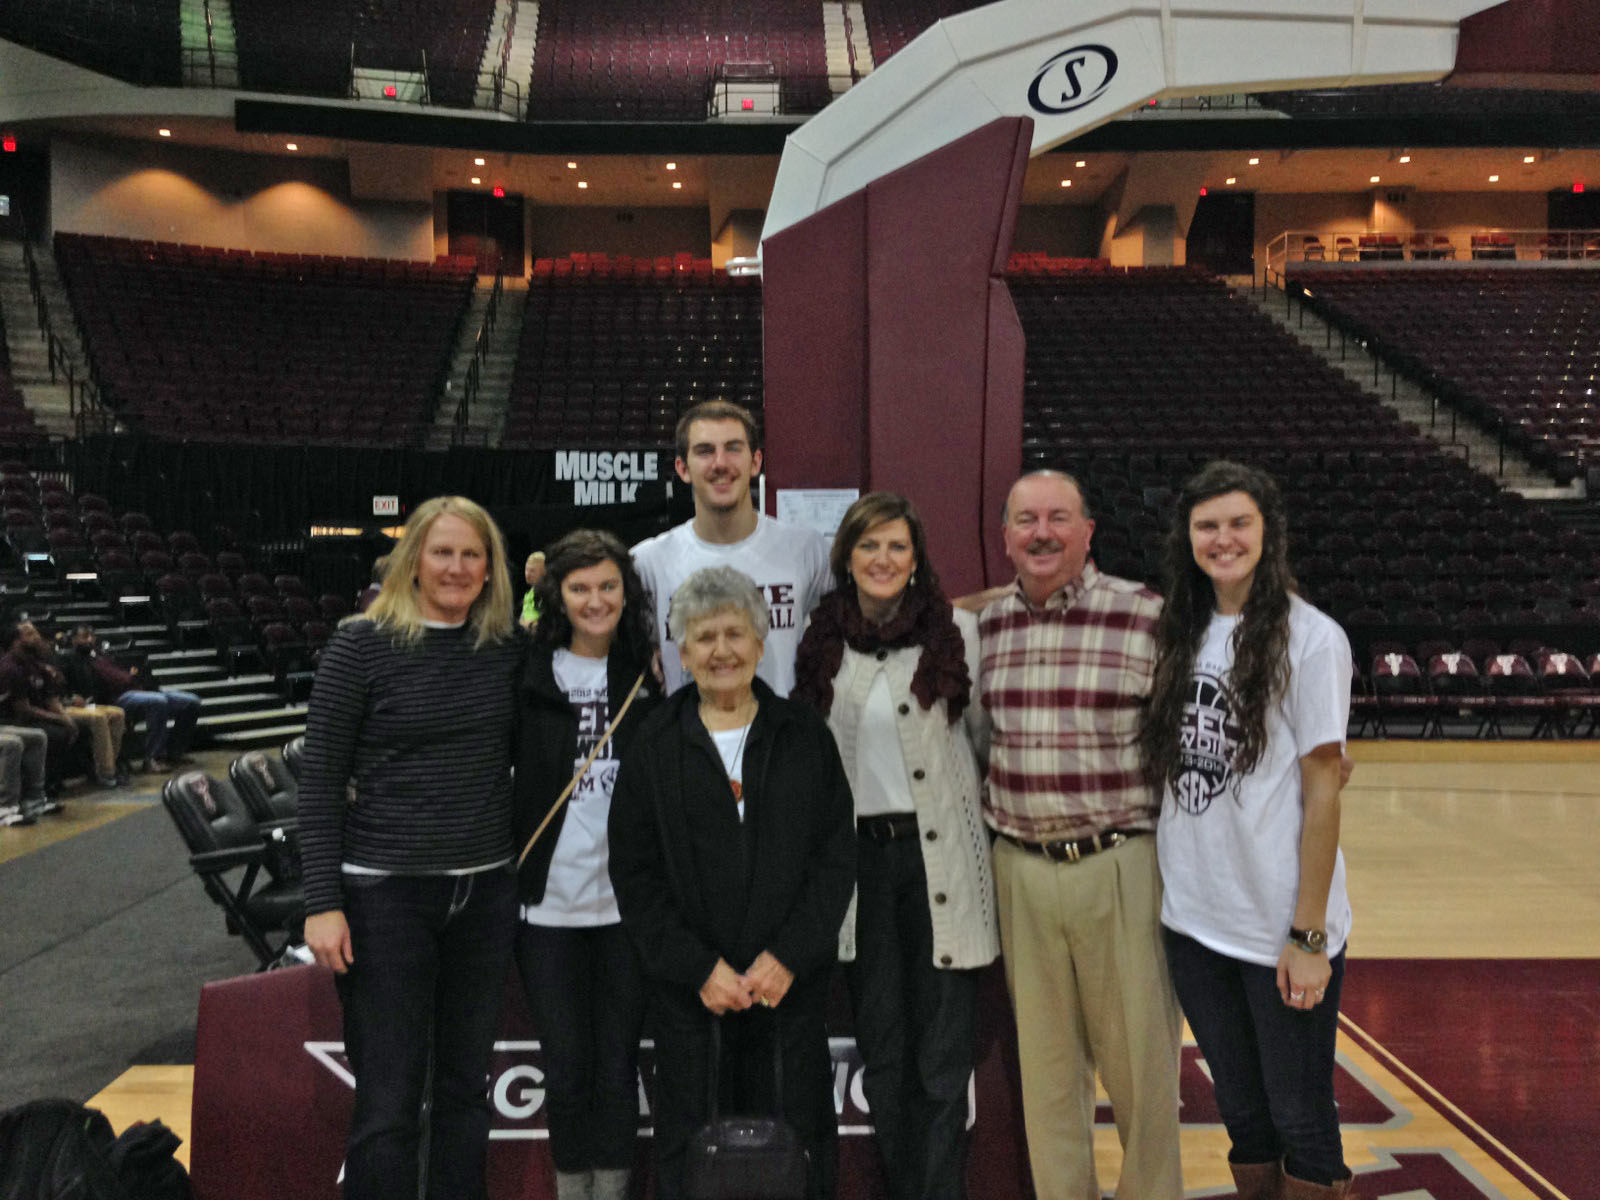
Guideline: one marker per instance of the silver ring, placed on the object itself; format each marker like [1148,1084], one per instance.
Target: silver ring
[1297,995]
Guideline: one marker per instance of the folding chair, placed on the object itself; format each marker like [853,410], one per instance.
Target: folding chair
[229,853]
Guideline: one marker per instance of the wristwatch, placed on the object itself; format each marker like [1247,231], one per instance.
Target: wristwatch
[1312,941]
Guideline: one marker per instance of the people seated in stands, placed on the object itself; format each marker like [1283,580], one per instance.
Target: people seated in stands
[106,724]
[891,666]
[532,572]
[410,894]
[1244,731]
[169,716]
[33,687]
[368,594]
[591,656]
[733,853]
[23,798]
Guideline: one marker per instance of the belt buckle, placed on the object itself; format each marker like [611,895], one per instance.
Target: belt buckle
[1063,851]
[1115,838]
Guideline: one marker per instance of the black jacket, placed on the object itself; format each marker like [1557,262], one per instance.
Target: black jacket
[694,883]
[547,750]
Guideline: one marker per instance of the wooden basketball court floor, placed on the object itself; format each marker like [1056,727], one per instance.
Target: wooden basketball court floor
[1470,1039]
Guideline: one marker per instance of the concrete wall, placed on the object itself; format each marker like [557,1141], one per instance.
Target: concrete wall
[214,198]
[1061,230]
[557,232]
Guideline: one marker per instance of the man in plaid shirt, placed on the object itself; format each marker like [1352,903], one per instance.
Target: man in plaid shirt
[1067,657]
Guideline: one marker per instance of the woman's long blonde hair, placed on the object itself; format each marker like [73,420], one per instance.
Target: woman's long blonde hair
[396,608]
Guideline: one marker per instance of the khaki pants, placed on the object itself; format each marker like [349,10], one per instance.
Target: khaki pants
[1088,979]
[104,725]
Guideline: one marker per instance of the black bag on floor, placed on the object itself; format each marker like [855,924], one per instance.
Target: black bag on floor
[143,1157]
[61,1150]
[745,1158]
[57,1150]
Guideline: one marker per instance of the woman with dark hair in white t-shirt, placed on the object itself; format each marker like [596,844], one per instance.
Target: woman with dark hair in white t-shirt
[593,641]
[1245,732]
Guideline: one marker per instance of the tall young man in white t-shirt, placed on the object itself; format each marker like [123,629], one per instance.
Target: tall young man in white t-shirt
[719,454]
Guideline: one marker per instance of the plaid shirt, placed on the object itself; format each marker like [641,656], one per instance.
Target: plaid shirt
[1063,686]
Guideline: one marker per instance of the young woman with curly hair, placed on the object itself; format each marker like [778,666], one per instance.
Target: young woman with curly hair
[1244,733]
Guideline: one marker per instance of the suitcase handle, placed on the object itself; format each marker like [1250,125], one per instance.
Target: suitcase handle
[716,1065]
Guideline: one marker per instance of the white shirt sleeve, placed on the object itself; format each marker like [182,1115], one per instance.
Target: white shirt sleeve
[1319,688]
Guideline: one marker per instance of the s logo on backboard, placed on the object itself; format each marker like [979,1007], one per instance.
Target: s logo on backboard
[1072,79]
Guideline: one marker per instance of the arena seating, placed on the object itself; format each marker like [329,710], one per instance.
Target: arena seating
[1515,350]
[893,23]
[204,344]
[292,45]
[295,45]
[655,59]
[614,348]
[1425,99]
[1395,538]
[202,591]
[136,40]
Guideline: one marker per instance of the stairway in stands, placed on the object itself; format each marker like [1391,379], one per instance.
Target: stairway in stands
[237,712]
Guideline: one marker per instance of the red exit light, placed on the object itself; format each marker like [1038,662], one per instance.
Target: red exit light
[1205,192]
[747,105]
[390,91]
[499,192]
[1577,186]
[8,143]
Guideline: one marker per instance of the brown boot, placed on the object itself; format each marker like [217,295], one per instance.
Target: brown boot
[1299,1189]
[1258,1181]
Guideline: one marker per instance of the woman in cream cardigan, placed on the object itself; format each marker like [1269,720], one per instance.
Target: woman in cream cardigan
[891,665]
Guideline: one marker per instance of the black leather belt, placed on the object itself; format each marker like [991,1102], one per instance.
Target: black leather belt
[889,827]
[1070,851]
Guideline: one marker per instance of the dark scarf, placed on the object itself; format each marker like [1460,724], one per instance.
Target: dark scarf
[924,619]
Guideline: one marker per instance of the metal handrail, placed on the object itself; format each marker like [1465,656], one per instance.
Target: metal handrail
[480,352]
[1290,247]
[849,42]
[84,406]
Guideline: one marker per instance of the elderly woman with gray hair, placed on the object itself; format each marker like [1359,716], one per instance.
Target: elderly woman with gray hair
[733,859]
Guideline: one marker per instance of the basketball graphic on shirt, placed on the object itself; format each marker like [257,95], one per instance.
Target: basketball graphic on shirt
[1205,745]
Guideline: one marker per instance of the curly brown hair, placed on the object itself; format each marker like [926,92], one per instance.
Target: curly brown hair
[1260,672]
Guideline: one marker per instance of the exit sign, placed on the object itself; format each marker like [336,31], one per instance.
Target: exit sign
[386,506]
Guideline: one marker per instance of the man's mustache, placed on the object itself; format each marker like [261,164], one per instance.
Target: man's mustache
[1044,546]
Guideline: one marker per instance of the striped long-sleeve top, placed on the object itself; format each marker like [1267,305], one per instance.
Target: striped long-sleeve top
[424,734]
[1063,686]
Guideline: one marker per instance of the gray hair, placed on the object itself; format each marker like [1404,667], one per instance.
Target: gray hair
[710,590]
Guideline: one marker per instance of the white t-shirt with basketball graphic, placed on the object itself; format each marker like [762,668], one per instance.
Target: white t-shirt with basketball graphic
[1229,844]
[577,892]
[789,563]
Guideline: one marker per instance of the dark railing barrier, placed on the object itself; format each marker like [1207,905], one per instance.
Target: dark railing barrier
[480,351]
[84,405]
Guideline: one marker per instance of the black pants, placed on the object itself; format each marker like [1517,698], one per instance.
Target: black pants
[423,995]
[1271,1065]
[62,741]
[683,1067]
[587,999]
[915,1025]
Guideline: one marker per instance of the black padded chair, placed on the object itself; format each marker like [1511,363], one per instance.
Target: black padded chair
[229,852]
[293,752]
[267,786]
[271,794]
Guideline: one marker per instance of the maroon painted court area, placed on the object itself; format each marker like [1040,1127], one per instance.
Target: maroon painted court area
[1513,1043]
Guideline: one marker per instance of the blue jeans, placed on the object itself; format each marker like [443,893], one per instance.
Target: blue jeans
[915,1025]
[423,995]
[158,711]
[1271,1065]
[586,994]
